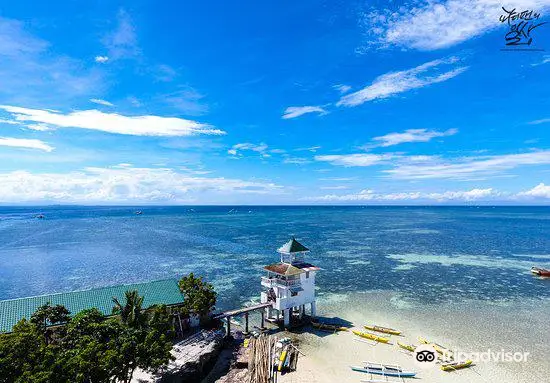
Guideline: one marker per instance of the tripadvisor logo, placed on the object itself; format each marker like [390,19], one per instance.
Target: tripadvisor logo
[425,356]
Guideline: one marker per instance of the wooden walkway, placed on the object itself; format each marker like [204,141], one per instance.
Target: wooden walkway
[237,312]
[245,310]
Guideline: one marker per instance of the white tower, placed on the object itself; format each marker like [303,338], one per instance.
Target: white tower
[289,284]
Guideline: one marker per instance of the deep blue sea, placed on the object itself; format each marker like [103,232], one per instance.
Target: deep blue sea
[428,254]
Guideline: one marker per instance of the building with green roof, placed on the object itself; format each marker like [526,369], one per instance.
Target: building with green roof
[156,292]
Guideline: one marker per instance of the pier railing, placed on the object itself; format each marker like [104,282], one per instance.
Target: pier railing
[270,282]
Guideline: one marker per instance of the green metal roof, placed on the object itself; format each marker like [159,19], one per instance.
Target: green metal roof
[156,292]
[292,246]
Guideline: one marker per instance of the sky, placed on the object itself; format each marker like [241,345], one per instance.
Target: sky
[287,102]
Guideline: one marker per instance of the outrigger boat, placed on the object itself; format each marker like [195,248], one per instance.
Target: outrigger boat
[405,346]
[384,369]
[328,327]
[540,272]
[456,365]
[371,336]
[439,348]
[386,330]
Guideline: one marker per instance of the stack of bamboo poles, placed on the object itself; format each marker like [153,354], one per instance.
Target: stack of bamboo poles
[260,359]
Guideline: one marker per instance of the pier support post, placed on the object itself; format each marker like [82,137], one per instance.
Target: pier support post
[313,309]
[245,323]
[286,313]
[228,333]
[262,323]
[301,311]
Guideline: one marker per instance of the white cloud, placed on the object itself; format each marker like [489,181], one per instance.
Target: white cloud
[342,88]
[258,148]
[411,135]
[121,184]
[296,161]
[393,83]
[101,102]
[540,191]
[337,187]
[430,25]
[358,159]
[101,59]
[465,167]
[370,195]
[296,111]
[113,123]
[312,149]
[30,69]
[122,42]
[545,60]
[541,121]
[25,143]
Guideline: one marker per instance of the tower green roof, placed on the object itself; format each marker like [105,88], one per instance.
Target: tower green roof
[292,246]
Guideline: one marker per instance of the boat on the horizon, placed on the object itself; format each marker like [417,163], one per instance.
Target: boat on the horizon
[540,272]
[40,216]
[385,330]
[139,212]
[371,336]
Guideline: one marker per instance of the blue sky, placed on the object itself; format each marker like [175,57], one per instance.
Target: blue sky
[272,103]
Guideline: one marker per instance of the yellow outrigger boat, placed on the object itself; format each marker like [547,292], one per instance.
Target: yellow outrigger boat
[408,347]
[386,330]
[328,327]
[439,348]
[456,365]
[371,336]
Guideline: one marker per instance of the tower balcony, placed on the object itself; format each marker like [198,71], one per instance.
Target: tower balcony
[272,282]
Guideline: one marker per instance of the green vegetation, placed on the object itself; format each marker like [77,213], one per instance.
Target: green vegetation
[87,348]
[199,296]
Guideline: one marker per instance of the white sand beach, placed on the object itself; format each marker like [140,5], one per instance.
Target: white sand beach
[465,326]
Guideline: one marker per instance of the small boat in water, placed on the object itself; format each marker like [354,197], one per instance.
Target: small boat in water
[40,216]
[384,370]
[405,346]
[439,348]
[328,327]
[139,212]
[456,365]
[371,336]
[540,272]
[385,330]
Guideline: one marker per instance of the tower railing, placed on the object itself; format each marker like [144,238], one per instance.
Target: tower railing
[270,282]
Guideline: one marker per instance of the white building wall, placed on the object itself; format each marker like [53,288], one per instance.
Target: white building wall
[285,300]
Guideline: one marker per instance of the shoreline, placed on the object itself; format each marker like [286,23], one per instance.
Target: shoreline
[471,326]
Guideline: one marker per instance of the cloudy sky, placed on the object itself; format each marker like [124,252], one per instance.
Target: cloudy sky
[287,102]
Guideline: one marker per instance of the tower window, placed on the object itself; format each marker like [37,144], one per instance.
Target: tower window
[307,274]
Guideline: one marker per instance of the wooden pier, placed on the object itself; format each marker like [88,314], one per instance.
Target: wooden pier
[243,311]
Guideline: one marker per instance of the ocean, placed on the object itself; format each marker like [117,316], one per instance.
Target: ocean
[422,254]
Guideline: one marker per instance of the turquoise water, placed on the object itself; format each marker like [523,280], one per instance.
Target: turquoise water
[428,254]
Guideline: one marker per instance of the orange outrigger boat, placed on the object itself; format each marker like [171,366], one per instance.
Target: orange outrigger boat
[540,272]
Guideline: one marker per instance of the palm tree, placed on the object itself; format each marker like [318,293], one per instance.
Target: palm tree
[131,312]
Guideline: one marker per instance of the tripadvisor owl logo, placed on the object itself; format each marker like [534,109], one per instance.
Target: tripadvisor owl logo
[425,356]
